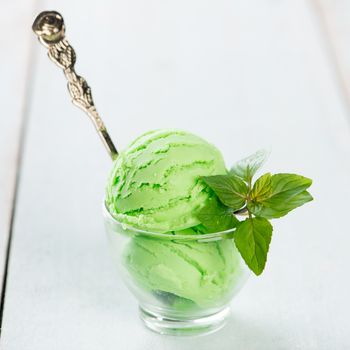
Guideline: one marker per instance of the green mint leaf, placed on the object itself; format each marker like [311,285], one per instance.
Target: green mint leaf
[289,182]
[262,188]
[230,189]
[252,239]
[287,192]
[276,207]
[247,167]
[217,217]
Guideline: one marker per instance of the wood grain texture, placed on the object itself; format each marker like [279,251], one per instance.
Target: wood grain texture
[244,75]
[14,66]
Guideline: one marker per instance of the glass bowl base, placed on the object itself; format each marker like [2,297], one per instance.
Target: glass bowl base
[179,326]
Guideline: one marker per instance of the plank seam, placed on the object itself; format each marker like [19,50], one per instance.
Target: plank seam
[29,79]
[331,50]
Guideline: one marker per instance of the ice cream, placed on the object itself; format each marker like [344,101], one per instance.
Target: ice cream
[155,183]
[185,274]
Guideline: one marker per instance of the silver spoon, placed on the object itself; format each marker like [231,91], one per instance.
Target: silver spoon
[50,29]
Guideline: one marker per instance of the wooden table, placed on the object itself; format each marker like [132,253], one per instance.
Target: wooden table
[244,74]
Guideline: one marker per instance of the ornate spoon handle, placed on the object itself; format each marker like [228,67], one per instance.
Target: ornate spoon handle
[50,29]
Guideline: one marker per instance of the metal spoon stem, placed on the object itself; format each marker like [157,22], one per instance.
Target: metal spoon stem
[50,29]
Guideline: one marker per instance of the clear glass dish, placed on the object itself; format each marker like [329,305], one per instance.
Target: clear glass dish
[183,282]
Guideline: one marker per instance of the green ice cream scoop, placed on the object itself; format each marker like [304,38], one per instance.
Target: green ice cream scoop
[155,182]
[185,274]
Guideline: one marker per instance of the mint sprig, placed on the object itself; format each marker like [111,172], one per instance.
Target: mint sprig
[231,190]
[218,217]
[247,167]
[270,197]
[283,193]
[252,238]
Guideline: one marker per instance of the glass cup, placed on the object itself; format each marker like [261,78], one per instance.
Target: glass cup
[183,282]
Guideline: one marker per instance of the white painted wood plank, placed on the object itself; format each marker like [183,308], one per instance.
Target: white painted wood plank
[335,18]
[14,58]
[243,74]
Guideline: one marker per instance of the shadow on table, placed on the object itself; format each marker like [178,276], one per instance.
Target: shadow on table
[239,333]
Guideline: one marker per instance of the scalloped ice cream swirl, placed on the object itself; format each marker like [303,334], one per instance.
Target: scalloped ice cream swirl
[154,184]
